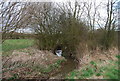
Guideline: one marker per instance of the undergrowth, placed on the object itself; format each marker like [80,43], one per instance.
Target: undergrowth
[93,69]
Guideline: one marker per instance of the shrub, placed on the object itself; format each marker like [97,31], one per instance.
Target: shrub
[71,33]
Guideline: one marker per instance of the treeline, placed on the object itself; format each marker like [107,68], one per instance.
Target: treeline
[71,25]
[72,28]
[19,36]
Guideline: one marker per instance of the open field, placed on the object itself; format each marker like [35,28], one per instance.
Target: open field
[13,44]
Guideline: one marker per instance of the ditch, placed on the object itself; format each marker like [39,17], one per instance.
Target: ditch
[66,67]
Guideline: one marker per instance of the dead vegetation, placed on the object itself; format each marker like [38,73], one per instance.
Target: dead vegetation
[97,64]
[98,55]
[30,62]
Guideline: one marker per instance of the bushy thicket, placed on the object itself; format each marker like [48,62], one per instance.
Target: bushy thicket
[72,36]
[71,33]
[62,27]
[19,36]
[103,39]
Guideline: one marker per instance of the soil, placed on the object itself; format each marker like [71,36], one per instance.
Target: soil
[67,67]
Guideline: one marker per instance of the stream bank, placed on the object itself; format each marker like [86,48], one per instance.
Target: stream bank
[31,63]
[66,67]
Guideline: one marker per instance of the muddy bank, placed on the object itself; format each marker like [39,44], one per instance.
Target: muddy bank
[66,67]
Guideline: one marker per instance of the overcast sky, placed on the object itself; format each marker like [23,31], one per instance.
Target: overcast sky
[102,9]
[49,0]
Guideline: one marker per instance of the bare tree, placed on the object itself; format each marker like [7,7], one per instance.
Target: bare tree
[12,17]
[91,13]
[110,24]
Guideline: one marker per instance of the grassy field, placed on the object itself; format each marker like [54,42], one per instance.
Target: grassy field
[13,44]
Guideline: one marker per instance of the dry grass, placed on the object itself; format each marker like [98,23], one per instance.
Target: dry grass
[98,54]
[97,64]
[23,62]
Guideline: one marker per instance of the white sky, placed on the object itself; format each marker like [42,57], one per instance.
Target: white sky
[102,9]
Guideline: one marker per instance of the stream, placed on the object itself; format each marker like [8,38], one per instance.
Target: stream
[67,67]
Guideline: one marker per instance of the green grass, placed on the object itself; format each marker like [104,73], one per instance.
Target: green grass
[53,66]
[13,44]
[109,71]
